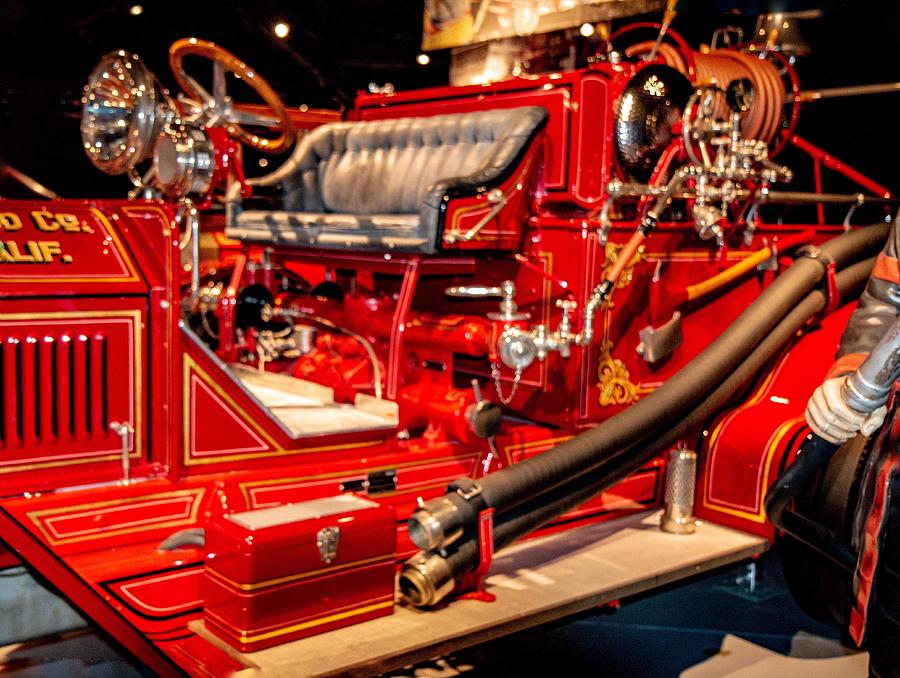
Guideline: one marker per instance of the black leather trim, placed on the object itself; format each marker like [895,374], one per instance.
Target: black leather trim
[485,180]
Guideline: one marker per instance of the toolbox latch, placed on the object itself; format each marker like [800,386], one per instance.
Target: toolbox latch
[327,540]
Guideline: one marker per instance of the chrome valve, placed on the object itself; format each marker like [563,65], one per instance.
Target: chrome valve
[518,347]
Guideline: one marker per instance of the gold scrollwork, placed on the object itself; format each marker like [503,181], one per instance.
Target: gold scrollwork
[614,380]
[612,254]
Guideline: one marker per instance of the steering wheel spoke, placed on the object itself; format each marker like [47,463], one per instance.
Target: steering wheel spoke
[219,106]
[240,117]
[205,98]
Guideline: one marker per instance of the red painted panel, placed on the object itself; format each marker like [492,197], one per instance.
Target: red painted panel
[92,519]
[161,594]
[8,559]
[68,526]
[90,600]
[506,229]
[592,151]
[62,247]
[216,389]
[69,368]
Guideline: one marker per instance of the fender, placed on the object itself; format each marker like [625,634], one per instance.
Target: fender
[745,448]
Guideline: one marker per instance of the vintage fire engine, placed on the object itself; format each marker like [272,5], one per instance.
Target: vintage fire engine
[224,397]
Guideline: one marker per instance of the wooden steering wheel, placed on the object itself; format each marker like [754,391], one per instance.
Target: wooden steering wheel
[218,107]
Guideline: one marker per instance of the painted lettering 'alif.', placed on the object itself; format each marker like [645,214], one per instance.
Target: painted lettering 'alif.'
[35,251]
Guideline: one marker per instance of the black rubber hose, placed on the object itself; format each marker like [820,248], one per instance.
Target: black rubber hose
[518,483]
[576,456]
[542,509]
[580,490]
[812,457]
[820,538]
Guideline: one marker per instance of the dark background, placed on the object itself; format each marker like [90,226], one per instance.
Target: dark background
[338,46]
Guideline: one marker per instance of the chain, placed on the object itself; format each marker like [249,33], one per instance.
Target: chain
[495,373]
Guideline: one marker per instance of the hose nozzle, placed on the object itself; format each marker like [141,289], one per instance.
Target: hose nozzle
[425,580]
[435,524]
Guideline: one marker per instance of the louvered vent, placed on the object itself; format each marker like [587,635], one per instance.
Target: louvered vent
[54,389]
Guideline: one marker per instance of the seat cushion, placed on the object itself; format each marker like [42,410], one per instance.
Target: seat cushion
[387,166]
[385,183]
[318,229]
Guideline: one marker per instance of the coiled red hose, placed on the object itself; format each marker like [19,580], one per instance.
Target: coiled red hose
[721,66]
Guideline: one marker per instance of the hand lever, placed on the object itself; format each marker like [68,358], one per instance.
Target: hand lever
[506,290]
[484,418]
[473,291]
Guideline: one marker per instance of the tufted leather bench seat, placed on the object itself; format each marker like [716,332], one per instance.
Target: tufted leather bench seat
[385,184]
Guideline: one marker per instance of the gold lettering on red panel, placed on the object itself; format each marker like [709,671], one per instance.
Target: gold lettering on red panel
[39,251]
[45,221]
[69,245]
[9,221]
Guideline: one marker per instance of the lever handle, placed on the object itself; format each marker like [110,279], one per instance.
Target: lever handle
[506,289]
[483,417]
[124,430]
[473,291]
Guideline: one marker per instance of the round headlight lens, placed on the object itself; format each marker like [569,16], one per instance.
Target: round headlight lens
[183,162]
[123,112]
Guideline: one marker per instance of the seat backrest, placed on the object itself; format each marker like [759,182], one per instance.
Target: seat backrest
[387,166]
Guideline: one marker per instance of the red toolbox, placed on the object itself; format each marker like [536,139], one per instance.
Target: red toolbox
[291,571]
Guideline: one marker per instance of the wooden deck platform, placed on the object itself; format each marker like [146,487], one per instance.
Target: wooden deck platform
[535,582]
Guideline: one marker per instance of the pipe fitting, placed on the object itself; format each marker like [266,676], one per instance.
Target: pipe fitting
[867,389]
[862,396]
[435,524]
[425,580]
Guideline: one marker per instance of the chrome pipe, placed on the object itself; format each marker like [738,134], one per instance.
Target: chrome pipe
[631,190]
[867,389]
[805,198]
[839,92]
[124,431]
[599,294]
[190,236]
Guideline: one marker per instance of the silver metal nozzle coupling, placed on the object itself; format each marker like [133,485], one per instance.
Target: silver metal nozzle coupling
[867,389]
[425,580]
[426,525]
[681,481]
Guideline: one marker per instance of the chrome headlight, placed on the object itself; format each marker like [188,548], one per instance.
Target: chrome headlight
[183,162]
[124,109]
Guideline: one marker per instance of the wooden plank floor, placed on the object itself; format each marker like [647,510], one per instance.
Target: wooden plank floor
[535,582]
